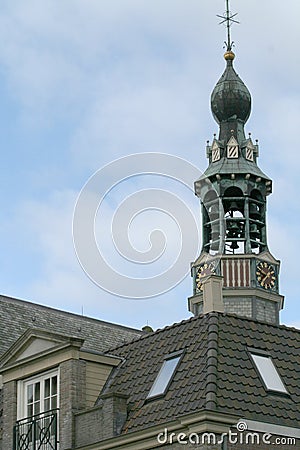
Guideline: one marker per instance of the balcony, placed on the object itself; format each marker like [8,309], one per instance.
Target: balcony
[39,432]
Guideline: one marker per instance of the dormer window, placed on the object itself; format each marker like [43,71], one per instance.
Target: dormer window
[215,152]
[250,152]
[268,373]
[38,394]
[37,404]
[232,148]
[165,375]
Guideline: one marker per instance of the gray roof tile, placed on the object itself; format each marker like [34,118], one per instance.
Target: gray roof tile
[226,383]
[16,316]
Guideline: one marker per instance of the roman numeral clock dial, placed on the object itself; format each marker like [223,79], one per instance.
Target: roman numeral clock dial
[203,271]
[265,275]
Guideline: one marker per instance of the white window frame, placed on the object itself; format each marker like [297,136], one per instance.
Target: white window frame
[21,391]
[154,393]
[268,373]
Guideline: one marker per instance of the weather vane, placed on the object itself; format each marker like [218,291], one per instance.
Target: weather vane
[228,17]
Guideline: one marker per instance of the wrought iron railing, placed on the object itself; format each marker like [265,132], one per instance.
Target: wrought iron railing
[38,432]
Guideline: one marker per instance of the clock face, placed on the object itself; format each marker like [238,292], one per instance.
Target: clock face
[265,275]
[203,271]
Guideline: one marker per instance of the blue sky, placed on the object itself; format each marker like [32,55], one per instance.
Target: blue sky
[83,82]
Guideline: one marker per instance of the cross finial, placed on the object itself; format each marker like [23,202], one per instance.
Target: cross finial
[228,17]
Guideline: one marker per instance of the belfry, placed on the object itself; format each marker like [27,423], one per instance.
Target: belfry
[233,192]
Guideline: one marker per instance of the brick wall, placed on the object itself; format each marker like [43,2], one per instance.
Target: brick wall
[240,306]
[1,417]
[114,414]
[88,427]
[102,422]
[266,311]
[72,399]
[259,309]
[9,413]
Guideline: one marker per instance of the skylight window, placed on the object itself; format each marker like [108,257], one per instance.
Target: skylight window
[268,373]
[164,376]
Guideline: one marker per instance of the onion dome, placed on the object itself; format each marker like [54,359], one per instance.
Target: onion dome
[230,100]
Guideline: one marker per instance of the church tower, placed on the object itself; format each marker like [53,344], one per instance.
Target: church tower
[233,192]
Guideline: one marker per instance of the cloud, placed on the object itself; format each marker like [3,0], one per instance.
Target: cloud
[87,81]
[59,281]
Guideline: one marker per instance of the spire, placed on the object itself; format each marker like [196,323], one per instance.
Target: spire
[229,19]
[230,99]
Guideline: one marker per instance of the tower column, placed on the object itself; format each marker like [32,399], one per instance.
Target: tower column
[247,226]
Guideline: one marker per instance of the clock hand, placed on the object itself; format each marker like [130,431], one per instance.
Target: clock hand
[264,279]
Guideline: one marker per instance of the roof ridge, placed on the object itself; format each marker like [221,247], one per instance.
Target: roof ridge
[201,317]
[161,330]
[7,299]
[212,362]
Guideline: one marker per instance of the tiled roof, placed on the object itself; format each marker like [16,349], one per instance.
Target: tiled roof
[240,389]
[216,372]
[187,391]
[226,166]
[16,316]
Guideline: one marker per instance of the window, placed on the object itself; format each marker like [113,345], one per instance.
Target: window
[232,148]
[268,373]
[38,402]
[38,394]
[164,376]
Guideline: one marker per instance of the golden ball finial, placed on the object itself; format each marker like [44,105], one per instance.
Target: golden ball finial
[229,55]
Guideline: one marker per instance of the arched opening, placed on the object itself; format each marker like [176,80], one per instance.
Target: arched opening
[211,222]
[257,229]
[234,215]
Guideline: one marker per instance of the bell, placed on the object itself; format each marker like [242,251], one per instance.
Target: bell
[234,245]
[233,229]
[254,211]
[254,231]
[254,244]
[233,206]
